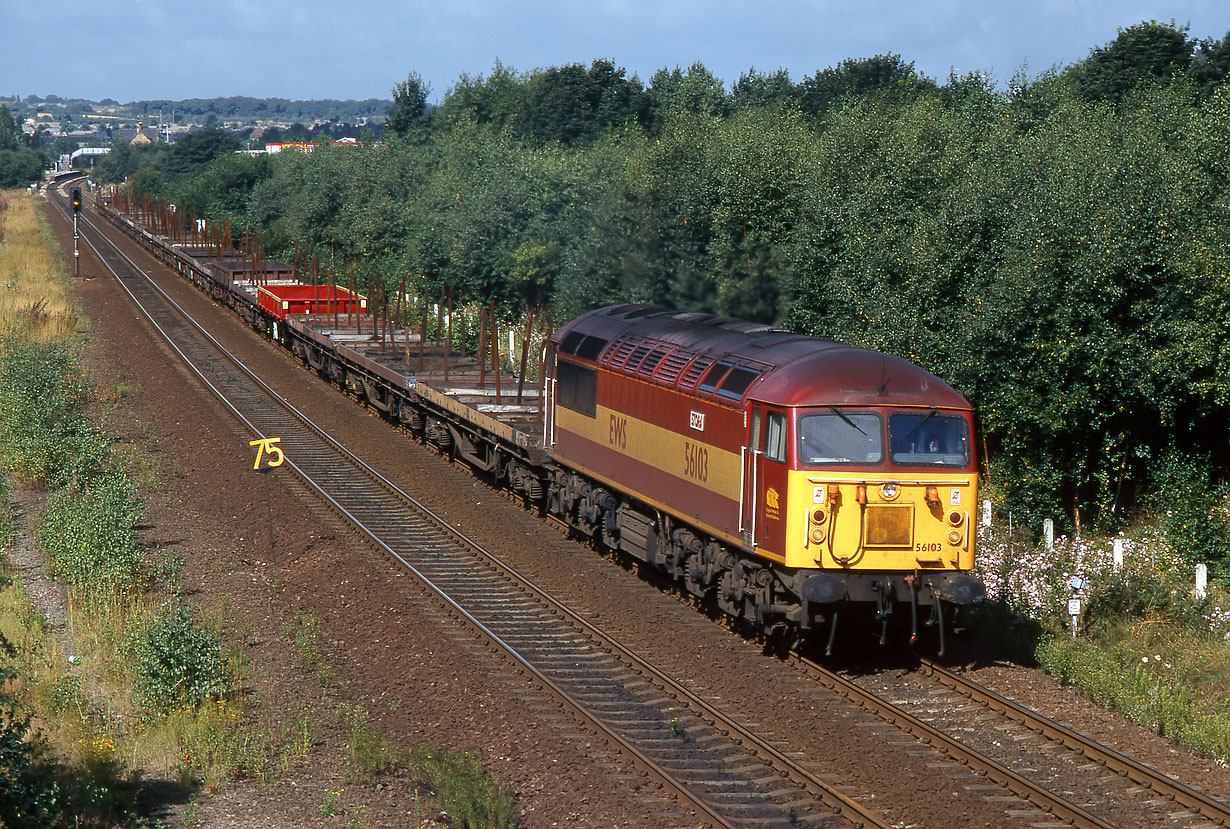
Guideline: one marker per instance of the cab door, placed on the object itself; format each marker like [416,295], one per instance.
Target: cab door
[749,485]
[772,478]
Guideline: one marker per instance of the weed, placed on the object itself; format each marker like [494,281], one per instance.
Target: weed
[330,804]
[369,750]
[299,737]
[470,797]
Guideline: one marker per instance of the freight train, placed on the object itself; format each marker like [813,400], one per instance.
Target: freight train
[786,480]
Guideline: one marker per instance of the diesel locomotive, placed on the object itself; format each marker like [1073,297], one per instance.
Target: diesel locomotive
[789,479]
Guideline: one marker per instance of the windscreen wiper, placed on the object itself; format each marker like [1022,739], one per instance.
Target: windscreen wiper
[919,424]
[844,417]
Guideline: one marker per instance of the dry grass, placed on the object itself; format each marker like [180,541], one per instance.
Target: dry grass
[34,288]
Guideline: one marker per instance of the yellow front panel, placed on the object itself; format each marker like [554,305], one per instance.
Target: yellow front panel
[900,533]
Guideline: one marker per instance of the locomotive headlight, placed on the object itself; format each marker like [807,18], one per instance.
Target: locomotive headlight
[954,538]
[889,490]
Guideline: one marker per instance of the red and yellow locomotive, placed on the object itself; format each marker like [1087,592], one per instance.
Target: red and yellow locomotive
[786,477]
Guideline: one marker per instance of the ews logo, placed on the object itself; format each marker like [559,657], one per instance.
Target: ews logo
[618,436]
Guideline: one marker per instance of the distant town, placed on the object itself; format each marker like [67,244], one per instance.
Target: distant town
[61,126]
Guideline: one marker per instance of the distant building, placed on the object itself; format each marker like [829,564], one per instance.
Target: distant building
[277,147]
[140,136]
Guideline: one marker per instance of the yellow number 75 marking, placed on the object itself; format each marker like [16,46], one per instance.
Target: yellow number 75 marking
[266,445]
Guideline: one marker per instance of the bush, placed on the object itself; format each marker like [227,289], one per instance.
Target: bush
[179,663]
[6,518]
[42,402]
[88,530]
[29,794]
[1192,510]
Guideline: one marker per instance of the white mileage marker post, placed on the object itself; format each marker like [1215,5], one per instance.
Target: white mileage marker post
[268,450]
[266,446]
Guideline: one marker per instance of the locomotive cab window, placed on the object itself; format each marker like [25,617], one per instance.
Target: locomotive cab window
[576,388]
[775,437]
[837,436]
[929,438]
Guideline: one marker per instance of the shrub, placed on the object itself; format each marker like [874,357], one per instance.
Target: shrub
[179,663]
[1193,510]
[88,530]
[6,518]
[29,794]
[42,400]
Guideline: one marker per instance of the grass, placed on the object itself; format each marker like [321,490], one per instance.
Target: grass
[34,286]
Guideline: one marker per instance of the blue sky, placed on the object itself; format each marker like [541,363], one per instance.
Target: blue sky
[174,49]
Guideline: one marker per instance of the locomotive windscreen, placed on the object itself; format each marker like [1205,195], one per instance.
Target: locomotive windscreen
[929,438]
[840,437]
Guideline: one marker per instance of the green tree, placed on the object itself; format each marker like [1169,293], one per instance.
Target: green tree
[697,91]
[1211,64]
[196,150]
[10,136]
[1148,51]
[756,89]
[572,103]
[887,75]
[408,116]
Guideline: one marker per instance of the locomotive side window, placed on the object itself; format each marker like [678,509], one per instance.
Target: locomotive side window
[582,345]
[775,437]
[713,375]
[929,438]
[570,343]
[737,382]
[840,437]
[591,347]
[576,388]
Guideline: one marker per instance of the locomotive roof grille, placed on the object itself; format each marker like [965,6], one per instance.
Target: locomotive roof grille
[680,349]
[673,364]
[689,379]
[618,357]
[651,362]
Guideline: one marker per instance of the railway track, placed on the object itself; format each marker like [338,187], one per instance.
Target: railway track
[1159,795]
[1103,789]
[717,768]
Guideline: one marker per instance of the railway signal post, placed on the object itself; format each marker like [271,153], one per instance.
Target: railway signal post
[76,212]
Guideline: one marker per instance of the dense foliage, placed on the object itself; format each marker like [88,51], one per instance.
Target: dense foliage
[1057,251]
[179,663]
[20,164]
[43,429]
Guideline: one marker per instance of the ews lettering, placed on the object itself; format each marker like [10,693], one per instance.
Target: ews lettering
[619,431]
